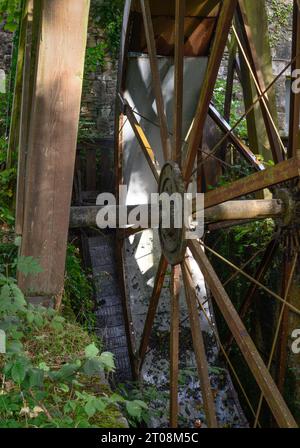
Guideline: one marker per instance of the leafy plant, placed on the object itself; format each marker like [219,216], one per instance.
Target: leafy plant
[78,302]
[52,369]
[10,12]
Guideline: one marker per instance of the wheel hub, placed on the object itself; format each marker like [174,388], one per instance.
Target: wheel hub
[172,237]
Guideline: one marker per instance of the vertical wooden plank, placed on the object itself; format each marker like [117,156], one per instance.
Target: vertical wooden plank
[174,346]
[252,26]
[14,131]
[32,26]
[52,141]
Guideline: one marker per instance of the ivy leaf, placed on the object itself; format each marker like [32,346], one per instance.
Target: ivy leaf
[91,351]
[28,265]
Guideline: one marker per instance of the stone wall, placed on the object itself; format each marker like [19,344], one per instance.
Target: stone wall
[5,49]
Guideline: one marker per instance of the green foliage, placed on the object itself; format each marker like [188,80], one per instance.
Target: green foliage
[237,107]
[78,299]
[10,12]
[95,58]
[279,15]
[51,372]
[109,16]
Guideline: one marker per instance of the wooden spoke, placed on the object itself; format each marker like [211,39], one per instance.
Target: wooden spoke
[199,349]
[282,172]
[145,6]
[174,345]
[265,381]
[243,149]
[289,270]
[142,139]
[214,62]
[158,284]
[294,134]
[178,79]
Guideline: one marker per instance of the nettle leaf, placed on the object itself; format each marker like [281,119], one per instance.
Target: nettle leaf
[36,378]
[66,372]
[134,409]
[14,347]
[28,265]
[108,362]
[18,371]
[90,408]
[18,295]
[93,366]
[57,323]
[91,351]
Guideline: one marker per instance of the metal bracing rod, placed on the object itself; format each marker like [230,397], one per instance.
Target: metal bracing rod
[199,349]
[249,277]
[158,285]
[174,345]
[283,308]
[261,374]
[212,326]
[245,114]
[260,273]
[150,38]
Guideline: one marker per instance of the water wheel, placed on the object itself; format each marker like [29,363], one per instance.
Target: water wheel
[171,53]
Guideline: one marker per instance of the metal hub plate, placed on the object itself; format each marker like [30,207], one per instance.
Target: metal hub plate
[172,239]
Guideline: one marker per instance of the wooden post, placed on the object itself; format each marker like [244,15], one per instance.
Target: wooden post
[258,22]
[16,106]
[52,142]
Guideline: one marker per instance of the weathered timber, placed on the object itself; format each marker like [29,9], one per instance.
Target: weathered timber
[52,141]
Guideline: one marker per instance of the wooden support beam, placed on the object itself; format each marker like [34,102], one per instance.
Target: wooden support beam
[282,172]
[52,142]
[14,131]
[85,216]
[31,44]
[259,370]
[217,50]
[247,19]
